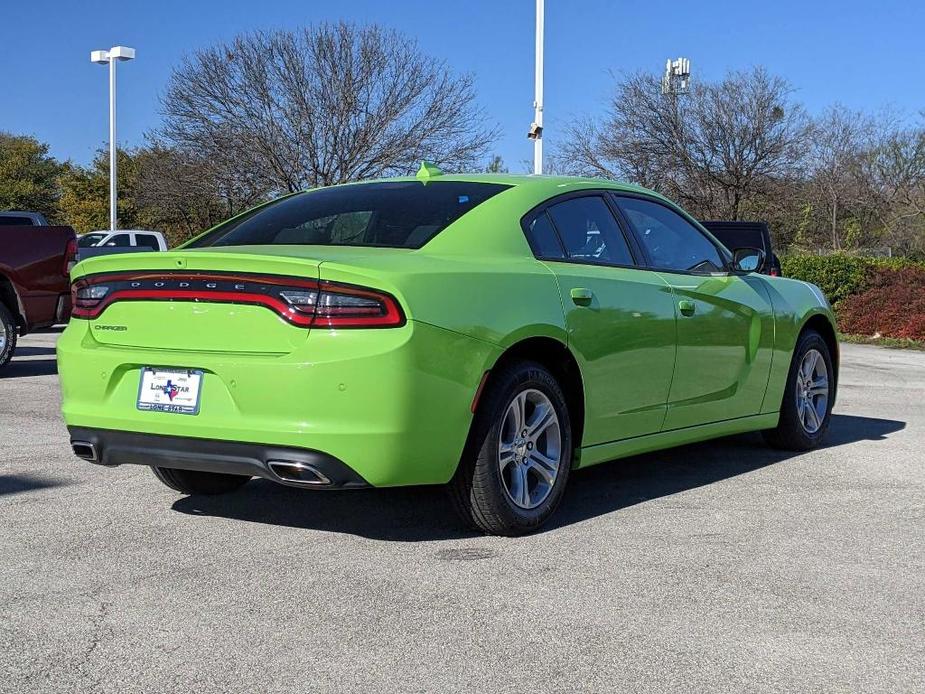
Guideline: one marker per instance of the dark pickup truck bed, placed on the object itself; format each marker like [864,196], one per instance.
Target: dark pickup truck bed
[34,281]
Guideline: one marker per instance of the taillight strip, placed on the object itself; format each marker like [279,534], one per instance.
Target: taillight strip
[254,290]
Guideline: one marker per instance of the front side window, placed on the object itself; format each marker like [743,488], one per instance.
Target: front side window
[120,241]
[589,232]
[399,214]
[671,241]
[90,240]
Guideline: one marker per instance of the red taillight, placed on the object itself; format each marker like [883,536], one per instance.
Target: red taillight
[304,303]
[341,306]
[87,297]
[70,256]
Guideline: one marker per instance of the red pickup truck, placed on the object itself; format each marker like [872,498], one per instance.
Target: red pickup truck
[35,263]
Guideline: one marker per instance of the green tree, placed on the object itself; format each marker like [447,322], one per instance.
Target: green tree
[84,202]
[28,175]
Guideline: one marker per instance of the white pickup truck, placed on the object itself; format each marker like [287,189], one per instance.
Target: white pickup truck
[120,241]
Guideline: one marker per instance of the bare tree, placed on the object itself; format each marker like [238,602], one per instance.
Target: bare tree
[187,193]
[322,105]
[715,150]
[893,176]
[839,141]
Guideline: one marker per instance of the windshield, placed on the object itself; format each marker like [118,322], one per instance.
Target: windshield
[89,240]
[402,214]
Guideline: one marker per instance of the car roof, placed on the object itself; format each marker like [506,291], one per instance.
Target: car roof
[551,185]
[122,231]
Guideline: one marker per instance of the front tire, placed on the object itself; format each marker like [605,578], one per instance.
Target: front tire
[518,457]
[194,482]
[806,410]
[8,335]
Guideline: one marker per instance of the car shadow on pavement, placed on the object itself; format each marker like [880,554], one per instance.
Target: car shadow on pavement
[412,514]
[23,368]
[15,484]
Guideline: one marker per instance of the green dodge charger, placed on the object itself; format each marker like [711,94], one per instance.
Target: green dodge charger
[487,332]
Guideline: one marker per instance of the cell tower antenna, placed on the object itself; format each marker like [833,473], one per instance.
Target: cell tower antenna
[677,79]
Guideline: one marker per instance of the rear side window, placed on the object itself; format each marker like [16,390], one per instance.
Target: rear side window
[589,232]
[147,241]
[671,241]
[401,214]
[543,238]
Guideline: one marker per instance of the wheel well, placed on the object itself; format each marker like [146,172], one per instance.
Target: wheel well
[556,357]
[8,299]
[826,330]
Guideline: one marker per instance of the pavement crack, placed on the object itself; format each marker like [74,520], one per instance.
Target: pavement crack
[98,632]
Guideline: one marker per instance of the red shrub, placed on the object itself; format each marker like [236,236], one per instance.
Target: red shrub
[893,304]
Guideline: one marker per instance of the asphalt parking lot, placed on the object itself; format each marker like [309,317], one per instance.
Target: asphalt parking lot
[722,566]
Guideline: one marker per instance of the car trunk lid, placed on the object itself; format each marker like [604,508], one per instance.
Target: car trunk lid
[208,300]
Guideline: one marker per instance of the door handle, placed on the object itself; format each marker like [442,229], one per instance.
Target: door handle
[582,296]
[687,307]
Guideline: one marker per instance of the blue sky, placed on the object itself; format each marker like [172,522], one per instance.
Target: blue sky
[866,55]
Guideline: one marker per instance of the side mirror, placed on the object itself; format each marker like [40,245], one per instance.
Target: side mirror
[747,259]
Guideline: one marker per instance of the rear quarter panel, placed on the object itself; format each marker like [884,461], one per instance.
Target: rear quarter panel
[477,277]
[33,259]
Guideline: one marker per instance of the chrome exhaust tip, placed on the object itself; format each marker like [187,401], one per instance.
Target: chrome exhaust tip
[292,472]
[85,450]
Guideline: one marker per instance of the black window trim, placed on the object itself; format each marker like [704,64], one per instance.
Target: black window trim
[720,249]
[533,214]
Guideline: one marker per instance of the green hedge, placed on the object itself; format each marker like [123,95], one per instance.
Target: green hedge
[839,275]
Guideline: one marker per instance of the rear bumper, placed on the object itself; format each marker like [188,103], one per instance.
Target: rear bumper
[111,448]
[391,405]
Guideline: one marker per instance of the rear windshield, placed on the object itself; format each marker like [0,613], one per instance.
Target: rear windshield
[404,214]
[15,221]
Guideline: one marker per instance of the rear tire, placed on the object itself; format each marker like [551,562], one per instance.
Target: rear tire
[8,335]
[806,409]
[194,482]
[516,463]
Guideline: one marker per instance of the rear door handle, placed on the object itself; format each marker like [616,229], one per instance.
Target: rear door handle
[687,307]
[582,296]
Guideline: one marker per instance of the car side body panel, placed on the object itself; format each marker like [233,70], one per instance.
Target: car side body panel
[724,348]
[624,341]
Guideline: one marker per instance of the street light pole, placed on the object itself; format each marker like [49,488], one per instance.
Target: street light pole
[112,56]
[113,173]
[536,128]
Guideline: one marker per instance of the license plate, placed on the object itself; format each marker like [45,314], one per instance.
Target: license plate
[170,390]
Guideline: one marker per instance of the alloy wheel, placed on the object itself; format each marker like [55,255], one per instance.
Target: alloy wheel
[812,391]
[530,448]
